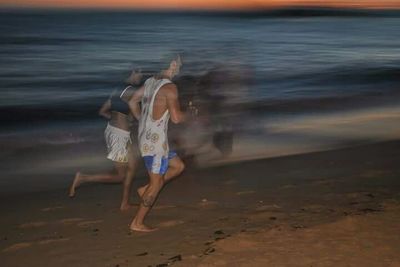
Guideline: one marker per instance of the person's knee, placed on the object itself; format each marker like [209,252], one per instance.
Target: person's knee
[181,167]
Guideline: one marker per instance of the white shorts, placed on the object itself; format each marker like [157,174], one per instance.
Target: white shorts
[117,141]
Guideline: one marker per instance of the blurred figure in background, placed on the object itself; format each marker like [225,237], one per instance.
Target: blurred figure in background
[223,88]
[214,88]
[218,95]
[122,148]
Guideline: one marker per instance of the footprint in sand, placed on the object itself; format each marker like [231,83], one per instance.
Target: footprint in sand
[89,223]
[50,241]
[70,220]
[23,245]
[245,193]
[51,208]
[32,225]
[170,223]
[17,246]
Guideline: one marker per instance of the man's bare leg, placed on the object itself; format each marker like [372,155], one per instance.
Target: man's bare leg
[127,184]
[81,178]
[149,197]
[175,167]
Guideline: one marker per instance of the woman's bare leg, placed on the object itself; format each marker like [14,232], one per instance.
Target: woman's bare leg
[81,178]
[127,184]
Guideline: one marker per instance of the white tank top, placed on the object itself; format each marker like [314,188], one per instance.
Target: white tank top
[153,133]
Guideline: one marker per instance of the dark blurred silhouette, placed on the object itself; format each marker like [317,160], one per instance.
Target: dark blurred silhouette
[215,97]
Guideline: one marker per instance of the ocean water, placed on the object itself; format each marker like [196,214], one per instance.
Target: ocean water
[58,67]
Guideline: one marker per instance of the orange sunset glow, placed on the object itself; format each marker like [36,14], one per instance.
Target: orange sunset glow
[200,4]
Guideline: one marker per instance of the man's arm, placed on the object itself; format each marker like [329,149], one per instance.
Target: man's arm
[171,92]
[134,102]
[105,109]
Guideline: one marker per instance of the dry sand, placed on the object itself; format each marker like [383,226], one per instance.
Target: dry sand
[337,208]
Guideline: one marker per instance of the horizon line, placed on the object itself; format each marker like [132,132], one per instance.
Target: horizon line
[211,10]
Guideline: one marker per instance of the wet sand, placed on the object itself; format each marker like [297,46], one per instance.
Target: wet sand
[335,208]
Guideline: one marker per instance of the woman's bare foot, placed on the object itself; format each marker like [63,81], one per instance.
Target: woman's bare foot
[141,228]
[75,184]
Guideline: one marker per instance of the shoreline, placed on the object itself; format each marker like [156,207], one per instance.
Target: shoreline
[99,163]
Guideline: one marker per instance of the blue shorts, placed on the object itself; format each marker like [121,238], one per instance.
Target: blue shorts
[157,164]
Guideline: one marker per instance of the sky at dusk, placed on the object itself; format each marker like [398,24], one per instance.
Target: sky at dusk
[199,4]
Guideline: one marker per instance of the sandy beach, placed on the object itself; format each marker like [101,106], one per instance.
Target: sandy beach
[334,208]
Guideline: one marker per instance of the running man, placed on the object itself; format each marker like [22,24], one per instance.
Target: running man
[121,150]
[159,103]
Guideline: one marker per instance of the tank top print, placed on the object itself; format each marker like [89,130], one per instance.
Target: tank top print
[153,139]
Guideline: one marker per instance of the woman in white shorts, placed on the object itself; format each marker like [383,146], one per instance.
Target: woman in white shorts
[120,146]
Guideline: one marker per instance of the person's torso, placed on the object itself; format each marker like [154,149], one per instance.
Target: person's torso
[153,133]
[117,102]
[120,109]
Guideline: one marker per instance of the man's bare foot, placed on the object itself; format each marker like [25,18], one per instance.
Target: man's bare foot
[75,184]
[126,206]
[141,190]
[141,228]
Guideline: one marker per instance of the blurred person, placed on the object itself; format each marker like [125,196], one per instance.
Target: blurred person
[215,86]
[121,147]
[159,103]
[222,90]
[216,93]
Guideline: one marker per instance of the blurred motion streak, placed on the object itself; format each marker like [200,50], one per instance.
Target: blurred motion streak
[261,85]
